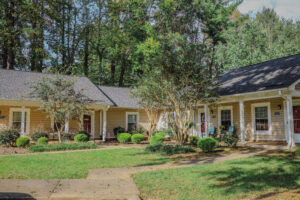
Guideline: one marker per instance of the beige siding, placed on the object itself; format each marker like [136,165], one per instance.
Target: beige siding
[117,117]
[38,120]
[4,121]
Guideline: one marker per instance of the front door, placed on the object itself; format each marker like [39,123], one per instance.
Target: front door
[87,123]
[296,113]
[201,123]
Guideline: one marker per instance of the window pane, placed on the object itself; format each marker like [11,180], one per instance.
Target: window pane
[226,118]
[132,118]
[17,116]
[17,121]
[261,118]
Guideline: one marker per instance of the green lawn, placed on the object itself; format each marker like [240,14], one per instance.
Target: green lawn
[72,164]
[237,179]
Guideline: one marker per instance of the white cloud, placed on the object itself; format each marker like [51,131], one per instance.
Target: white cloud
[284,8]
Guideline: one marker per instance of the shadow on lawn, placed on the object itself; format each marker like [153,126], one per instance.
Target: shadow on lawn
[243,177]
[15,196]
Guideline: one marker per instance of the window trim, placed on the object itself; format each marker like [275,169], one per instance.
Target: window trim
[137,119]
[27,110]
[220,108]
[254,131]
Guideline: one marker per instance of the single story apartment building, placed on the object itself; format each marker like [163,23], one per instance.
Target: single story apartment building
[261,101]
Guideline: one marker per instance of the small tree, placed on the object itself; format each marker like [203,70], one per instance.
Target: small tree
[60,100]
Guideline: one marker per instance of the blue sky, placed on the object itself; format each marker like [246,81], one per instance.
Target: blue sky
[289,9]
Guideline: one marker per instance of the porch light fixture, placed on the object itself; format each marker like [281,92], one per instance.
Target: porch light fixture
[279,106]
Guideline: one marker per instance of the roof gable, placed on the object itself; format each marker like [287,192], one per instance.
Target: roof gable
[15,85]
[273,74]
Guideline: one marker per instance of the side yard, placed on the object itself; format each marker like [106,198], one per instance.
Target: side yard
[274,177]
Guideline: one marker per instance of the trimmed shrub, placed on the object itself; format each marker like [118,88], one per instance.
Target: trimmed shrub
[194,140]
[160,134]
[84,132]
[62,147]
[124,137]
[9,136]
[156,139]
[22,142]
[81,138]
[169,149]
[42,140]
[208,144]
[35,136]
[137,138]
[230,141]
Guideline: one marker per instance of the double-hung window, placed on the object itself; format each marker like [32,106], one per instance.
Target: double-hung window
[132,120]
[225,116]
[261,118]
[15,119]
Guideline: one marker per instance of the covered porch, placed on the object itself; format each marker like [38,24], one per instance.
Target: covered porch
[272,116]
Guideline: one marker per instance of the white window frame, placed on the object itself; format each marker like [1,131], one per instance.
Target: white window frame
[137,119]
[27,110]
[254,131]
[220,108]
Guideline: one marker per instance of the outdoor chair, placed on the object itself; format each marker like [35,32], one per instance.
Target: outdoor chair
[230,131]
[211,131]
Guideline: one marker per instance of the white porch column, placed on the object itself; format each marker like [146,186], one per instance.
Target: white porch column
[23,121]
[242,122]
[67,125]
[93,124]
[290,120]
[104,125]
[206,113]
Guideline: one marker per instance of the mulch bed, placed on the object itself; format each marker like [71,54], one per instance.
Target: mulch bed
[12,150]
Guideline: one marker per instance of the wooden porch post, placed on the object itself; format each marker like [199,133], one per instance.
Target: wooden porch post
[67,125]
[104,125]
[242,122]
[206,112]
[290,120]
[23,121]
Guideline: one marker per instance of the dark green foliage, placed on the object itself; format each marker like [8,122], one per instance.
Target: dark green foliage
[230,141]
[42,140]
[137,138]
[156,139]
[118,130]
[124,137]
[153,148]
[160,134]
[81,138]
[169,149]
[194,140]
[35,136]
[9,136]
[139,131]
[84,132]
[62,147]
[208,144]
[23,142]
[169,133]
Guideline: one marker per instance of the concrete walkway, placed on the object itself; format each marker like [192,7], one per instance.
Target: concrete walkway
[107,183]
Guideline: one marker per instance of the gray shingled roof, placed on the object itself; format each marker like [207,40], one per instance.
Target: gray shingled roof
[15,85]
[273,74]
[119,96]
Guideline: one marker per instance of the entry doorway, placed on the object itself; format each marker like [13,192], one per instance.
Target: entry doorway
[201,122]
[87,123]
[296,115]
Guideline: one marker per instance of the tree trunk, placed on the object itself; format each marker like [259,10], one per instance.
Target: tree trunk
[4,55]
[123,65]
[100,56]
[112,71]
[10,12]
[86,53]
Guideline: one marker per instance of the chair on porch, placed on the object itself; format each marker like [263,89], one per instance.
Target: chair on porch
[230,131]
[211,131]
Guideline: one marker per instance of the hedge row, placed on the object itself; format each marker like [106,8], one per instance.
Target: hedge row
[61,147]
